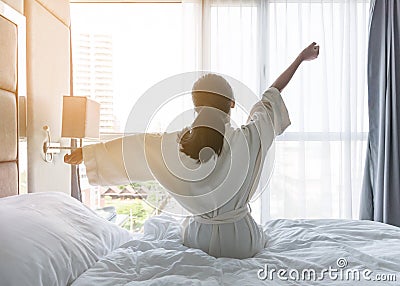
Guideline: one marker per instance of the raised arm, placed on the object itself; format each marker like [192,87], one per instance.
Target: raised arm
[309,53]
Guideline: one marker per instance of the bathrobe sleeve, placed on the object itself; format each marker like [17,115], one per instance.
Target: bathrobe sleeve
[268,118]
[106,163]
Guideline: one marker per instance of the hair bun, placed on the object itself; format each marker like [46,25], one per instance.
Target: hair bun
[215,84]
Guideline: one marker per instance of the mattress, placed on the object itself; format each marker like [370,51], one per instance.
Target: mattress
[298,252]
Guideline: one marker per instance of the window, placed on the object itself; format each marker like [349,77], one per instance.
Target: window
[120,50]
[132,46]
[125,48]
[320,159]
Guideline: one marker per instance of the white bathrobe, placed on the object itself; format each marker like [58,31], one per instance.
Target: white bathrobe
[216,192]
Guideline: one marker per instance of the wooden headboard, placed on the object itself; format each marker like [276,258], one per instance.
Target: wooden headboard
[12,85]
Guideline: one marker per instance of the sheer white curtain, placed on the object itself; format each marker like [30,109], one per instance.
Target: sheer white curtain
[319,160]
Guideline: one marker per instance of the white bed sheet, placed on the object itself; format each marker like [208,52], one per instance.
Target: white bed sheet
[159,258]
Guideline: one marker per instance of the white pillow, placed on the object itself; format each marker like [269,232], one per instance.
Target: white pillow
[51,238]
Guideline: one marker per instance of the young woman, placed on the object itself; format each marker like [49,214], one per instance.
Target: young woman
[211,168]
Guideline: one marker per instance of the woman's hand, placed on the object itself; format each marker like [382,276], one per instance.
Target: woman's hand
[310,53]
[75,158]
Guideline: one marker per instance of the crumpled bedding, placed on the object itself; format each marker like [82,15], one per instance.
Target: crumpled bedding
[158,257]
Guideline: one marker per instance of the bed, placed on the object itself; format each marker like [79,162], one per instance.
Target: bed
[159,258]
[51,239]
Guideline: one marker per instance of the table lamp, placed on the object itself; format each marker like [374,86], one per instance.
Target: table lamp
[80,119]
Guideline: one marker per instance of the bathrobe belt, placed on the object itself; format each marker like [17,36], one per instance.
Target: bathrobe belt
[226,217]
[214,247]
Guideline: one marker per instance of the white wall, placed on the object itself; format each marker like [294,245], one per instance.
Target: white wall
[48,79]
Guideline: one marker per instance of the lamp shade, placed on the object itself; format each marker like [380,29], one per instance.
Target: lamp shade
[80,118]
